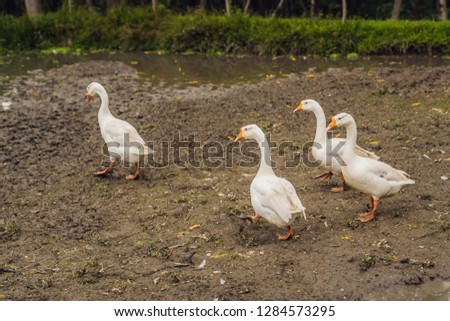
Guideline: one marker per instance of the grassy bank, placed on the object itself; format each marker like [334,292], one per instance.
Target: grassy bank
[140,29]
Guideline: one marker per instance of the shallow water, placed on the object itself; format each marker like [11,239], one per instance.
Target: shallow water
[185,70]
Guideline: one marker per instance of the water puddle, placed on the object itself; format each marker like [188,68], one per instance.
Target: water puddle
[183,71]
[436,290]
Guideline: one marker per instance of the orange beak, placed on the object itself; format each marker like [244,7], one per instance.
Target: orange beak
[88,97]
[332,124]
[240,136]
[299,107]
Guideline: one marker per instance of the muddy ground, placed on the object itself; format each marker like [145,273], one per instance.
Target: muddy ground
[66,234]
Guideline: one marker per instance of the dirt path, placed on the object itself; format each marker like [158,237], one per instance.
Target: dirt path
[68,235]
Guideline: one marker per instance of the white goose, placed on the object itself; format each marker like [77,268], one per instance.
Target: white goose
[371,177]
[272,197]
[122,139]
[325,149]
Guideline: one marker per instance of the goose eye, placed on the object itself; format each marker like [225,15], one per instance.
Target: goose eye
[245,129]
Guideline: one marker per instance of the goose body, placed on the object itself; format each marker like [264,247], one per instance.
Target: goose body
[121,138]
[272,197]
[324,149]
[369,176]
[275,199]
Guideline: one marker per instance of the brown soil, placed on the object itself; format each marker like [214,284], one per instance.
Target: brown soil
[66,234]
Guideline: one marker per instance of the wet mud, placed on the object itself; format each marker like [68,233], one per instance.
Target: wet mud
[175,233]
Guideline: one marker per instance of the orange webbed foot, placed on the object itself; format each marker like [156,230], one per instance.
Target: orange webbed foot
[324,176]
[106,170]
[369,216]
[338,189]
[366,217]
[135,175]
[103,172]
[284,237]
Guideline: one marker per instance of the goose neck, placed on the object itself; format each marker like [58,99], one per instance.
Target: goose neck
[321,133]
[351,137]
[265,167]
[104,107]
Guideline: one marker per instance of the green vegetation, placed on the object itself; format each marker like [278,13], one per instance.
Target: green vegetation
[141,29]
[367,262]
[10,229]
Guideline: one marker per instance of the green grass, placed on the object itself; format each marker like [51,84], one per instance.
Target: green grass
[141,29]
[10,229]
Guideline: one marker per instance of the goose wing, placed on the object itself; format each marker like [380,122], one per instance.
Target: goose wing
[122,132]
[387,172]
[278,196]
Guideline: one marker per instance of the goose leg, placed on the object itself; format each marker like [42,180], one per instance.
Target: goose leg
[366,217]
[283,237]
[340,189]
[136,173]
[324,176]
[251,218]
[107,169]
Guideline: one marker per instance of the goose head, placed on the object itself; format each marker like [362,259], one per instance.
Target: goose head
[308,105]
[250,132]
[340,120]
[93,89]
